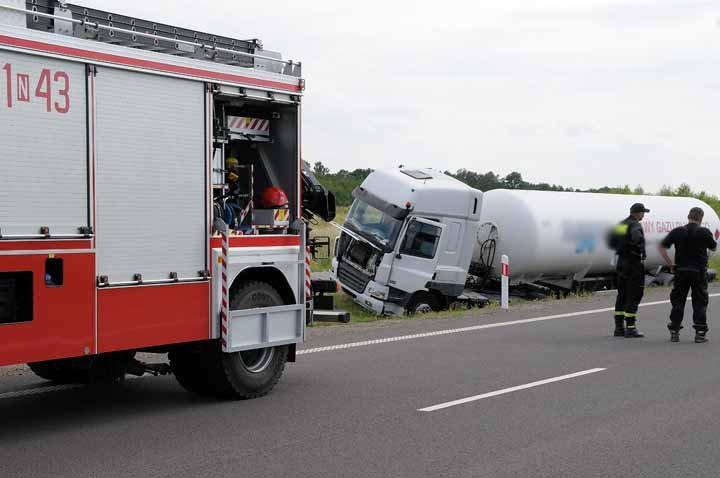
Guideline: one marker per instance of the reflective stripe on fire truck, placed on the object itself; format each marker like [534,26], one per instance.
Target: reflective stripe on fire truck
[225,233]
[281,215]
[308,274]
[252,126]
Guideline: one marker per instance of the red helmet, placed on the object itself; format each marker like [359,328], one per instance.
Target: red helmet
[273,198]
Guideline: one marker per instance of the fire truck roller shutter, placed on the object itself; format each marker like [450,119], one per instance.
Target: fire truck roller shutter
[151,173]
[44,158]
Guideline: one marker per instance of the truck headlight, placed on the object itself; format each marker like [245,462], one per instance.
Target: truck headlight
[380,293]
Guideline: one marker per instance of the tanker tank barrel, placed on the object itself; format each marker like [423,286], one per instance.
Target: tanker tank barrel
[549,239]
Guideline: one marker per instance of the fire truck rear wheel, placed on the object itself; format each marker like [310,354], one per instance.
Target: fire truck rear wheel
[252,373]
[206,370]
[189,365]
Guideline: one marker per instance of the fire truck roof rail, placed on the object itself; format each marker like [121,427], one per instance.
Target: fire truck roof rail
[64,18]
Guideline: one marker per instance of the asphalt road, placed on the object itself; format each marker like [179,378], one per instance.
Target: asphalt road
[640,408]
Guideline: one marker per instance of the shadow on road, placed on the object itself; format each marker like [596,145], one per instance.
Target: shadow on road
[86,406]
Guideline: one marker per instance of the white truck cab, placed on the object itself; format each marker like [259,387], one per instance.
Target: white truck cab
[408,241]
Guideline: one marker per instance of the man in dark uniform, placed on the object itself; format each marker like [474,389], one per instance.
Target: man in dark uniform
[631,272]
[690,267]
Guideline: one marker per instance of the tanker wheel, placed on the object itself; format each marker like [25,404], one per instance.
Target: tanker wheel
[251,373]
[422,303]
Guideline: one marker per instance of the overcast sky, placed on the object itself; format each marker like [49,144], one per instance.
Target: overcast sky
[584,93]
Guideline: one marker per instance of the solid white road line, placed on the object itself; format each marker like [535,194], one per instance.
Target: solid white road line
[504,391]
[473,328]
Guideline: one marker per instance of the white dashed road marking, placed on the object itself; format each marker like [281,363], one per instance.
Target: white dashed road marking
[473,328]
[504,391]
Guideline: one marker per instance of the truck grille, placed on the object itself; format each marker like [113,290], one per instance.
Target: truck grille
[352,278]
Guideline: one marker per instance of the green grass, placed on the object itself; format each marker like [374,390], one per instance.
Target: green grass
[360,315]
[715,261]
[325,229]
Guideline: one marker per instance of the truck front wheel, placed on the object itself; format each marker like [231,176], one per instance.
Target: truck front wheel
[422,303]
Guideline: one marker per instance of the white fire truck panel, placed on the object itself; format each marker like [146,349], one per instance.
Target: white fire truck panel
[151,173]
[43,165]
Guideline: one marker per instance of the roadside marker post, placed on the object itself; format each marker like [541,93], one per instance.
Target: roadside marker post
[505,283]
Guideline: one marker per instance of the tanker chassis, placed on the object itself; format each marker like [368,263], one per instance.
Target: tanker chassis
[131,213]
[419,240]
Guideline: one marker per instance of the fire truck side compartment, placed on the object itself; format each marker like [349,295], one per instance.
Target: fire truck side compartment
[151,208]
[147,316]
[276,162]
[151,190]
[285,145]
[44,158]
[62,322]
[44,187]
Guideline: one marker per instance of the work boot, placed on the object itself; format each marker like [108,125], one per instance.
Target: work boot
[619,326]
[674,336]
[633,333]
[700,336]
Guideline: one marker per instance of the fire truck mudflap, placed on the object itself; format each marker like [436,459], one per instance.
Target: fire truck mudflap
[245,328]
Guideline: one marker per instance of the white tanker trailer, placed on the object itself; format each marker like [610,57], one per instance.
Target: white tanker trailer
[417,239]
[558,238]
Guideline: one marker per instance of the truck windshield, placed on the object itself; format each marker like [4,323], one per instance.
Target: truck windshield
[373,224]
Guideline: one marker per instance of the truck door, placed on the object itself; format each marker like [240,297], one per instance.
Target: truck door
[152,198]
[417,255]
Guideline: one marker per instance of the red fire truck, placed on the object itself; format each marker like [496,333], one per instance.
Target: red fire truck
[150,200]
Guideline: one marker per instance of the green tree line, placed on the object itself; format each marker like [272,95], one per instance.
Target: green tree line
[343,182]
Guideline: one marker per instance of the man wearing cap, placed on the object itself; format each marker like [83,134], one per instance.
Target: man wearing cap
[631,272]
[690,267]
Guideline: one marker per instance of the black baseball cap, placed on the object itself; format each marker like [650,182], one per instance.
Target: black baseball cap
[638,207]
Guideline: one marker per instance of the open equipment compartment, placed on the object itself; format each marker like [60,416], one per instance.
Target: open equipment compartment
[256,160]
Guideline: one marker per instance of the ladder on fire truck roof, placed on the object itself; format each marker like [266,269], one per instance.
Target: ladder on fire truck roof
[55,16]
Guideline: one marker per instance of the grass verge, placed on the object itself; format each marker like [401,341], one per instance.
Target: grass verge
[324,229]
[360,315]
